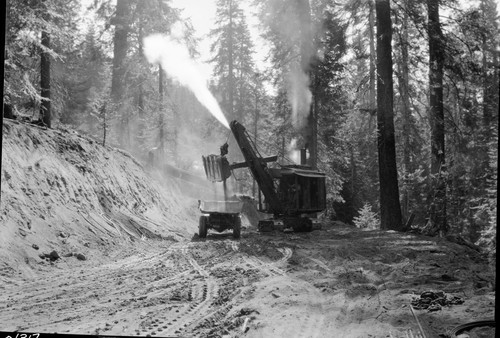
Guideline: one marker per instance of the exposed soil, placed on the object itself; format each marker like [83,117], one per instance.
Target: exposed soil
[154,276]
[337,282]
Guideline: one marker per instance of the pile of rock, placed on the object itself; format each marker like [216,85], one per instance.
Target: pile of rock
[54,256]
[434,300]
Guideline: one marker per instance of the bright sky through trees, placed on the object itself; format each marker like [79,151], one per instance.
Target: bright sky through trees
[202,14]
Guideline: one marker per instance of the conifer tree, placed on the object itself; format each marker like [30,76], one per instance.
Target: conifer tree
[233,64]
[37,33]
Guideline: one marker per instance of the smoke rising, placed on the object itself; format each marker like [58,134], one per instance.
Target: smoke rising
[290,22]
[299,97]
[293,153]
[178,64]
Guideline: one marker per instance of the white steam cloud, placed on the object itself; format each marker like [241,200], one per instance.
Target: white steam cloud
[293,153]
[178,64]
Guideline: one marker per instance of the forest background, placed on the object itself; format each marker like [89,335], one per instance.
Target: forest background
[347,79]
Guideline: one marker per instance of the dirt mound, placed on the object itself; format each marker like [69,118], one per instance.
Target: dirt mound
[61,191]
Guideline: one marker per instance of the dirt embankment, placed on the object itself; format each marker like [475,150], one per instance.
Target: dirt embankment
[66,193]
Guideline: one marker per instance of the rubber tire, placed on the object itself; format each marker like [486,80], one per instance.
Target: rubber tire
[202,228]
[237,227]
[458,330]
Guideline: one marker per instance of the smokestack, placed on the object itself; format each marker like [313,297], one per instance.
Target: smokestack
[303,156]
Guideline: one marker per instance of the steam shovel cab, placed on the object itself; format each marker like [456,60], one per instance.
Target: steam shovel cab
[293,194]
[302,194]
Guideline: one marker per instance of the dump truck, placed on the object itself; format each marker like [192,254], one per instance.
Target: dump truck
[293,194]
[220,216]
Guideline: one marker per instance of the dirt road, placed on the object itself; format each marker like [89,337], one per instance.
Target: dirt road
[336,282]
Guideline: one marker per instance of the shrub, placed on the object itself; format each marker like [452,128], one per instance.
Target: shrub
[367,219]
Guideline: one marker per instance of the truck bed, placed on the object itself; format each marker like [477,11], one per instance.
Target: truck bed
[223,207]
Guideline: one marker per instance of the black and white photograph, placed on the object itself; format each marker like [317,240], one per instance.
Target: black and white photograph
[249,168]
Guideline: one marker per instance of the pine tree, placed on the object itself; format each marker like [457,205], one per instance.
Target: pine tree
[366,219]
[233,64]
[37,34]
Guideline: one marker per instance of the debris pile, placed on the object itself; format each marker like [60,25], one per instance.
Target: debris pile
[434,301]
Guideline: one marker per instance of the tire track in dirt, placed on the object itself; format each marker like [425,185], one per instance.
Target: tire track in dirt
[309,322]
[158,291]
[202,290]
[312,323]
[171,292]
[224,266]
[59,291]
[287,254]
[271,269]
[99,292]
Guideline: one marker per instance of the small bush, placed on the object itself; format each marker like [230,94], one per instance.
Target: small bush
[367,219]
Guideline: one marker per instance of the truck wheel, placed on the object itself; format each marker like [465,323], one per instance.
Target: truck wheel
[202,228]
[237,227]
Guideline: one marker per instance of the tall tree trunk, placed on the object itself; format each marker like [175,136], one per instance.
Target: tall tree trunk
[45,80]
[161,85]
[313,149]
[437,215]
[7,108]
[371,31]
[306,55]
[120,46]
[161,124]
[255,129]
[230,63]
[390,209]
[104,124]
[175,132]
[120,49]
[403,80]
[372,103]
[140,100]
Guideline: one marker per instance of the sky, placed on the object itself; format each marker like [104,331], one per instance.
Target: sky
[202,14]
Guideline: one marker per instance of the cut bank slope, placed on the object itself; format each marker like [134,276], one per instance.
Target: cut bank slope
[66,193]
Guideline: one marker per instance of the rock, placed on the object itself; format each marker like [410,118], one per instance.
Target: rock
[7,175]
[246,311]
[22,232]
[34,246]
[54,255]
[81,257]
[69,254]
[87,244]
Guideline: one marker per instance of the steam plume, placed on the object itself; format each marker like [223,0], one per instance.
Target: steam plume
[293,153]
[176,62]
